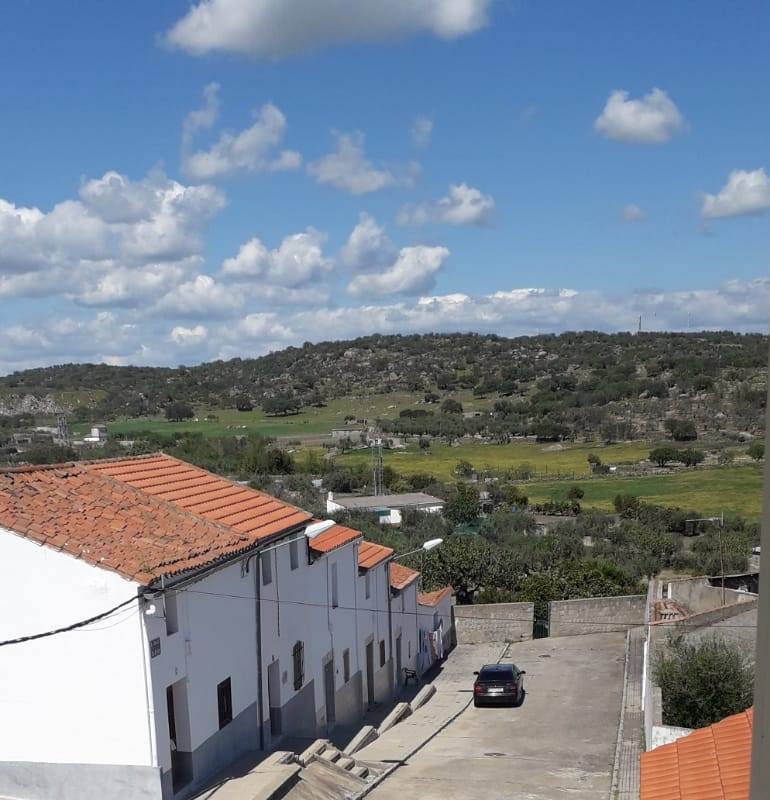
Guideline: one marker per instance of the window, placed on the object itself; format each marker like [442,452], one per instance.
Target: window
[298,657]
[368,584]
[382,653]
[172,613]
[335,598]
[267,569]
[346,664]
[225,703]
[294,553]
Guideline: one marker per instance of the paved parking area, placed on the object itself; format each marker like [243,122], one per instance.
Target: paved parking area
[560,744]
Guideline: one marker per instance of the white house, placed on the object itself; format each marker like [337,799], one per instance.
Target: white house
[164,621]
[388,507]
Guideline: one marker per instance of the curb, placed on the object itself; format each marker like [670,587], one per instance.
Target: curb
[618,743]
[390,770]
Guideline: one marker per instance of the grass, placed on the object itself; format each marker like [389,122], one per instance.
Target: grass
[734,489]
[312,421]
[565,459]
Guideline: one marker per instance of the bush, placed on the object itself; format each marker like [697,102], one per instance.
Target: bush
[662,455]
[756,450]
[703,683]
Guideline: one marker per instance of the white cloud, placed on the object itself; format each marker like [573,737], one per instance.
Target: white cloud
[462,205]
[253,150]
[368,247]
[422,130]
[746,192]
[414,271]
[201,297]
[349,169]
[632,213]
[119,241]
[188,337]
[297,261]
[651,119]
[279,28]
[735,305]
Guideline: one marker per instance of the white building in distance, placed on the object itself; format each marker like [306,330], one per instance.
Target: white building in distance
[162,621]
[387,507]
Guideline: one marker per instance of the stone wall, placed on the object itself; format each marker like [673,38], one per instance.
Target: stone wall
[596,614]
[494,622]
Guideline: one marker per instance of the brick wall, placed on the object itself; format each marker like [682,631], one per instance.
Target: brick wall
[494,622]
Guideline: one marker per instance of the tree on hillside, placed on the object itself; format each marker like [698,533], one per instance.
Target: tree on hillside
[756,450]
[463,504]
[663,454]
[681,430]
[691,457]
[703,682]
[177,411]
[282,404]
[243,403]
[464,468]
[450,406]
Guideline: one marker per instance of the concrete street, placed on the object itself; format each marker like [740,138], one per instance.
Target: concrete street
[559,744]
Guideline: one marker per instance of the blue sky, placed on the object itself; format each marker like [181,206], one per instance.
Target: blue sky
[120,243]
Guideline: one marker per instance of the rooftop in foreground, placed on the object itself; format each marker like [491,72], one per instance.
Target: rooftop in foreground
[712,763]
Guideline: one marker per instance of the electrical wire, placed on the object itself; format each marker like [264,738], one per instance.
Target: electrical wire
[463,616]
[67,628]
[252,599]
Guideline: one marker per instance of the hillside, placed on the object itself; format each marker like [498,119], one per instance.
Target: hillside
[565,385]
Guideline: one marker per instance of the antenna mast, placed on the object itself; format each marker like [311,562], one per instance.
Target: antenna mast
[377,478]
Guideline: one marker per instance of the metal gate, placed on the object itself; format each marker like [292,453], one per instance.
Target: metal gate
[542,623]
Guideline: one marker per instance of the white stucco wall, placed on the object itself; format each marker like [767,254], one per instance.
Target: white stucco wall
[297,606]
[372,620]
[216,640]
[405,621]
[77,697]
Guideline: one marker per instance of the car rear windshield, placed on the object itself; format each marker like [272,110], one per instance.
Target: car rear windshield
[501,672]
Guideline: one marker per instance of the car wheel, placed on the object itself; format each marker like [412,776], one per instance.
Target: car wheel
[520,698]
[476,702]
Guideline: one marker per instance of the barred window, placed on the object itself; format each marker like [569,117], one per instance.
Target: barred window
[298,657]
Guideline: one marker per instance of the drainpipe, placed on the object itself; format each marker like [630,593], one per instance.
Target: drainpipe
[258,612]
[390,625]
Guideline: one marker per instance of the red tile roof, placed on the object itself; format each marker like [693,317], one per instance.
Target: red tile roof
[110,524]
[204,494]
[401,576]
[371,554]
[142,517]
[333,538]
[434,598]
[710,764]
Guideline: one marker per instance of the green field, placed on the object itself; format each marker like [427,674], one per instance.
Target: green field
[734,489]
[311,421]
[562,459]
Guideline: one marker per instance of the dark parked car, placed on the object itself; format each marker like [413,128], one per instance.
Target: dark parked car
[498,683]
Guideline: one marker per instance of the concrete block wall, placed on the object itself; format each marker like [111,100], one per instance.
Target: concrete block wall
[494,622]
[596,614]
[698,595]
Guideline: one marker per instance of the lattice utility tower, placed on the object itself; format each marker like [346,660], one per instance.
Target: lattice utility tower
[377,478]
[63,428]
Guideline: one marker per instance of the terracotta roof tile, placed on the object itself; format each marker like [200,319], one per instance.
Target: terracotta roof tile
[331,539]
[401,576]
[117,514]
[371,554]
[711,763]
[434,598]
[196,490]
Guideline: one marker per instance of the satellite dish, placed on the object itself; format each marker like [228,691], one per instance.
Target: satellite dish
[316,528]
